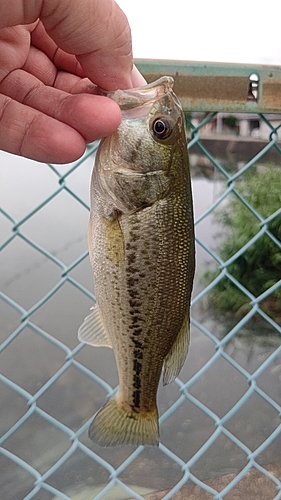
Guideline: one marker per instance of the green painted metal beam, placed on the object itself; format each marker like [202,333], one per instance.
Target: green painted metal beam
[206,86]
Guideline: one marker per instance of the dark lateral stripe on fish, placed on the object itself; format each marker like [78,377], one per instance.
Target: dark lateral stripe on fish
[136,398]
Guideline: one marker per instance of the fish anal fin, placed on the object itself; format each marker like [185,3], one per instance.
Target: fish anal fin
[116,424]
[176,356]
[92,331]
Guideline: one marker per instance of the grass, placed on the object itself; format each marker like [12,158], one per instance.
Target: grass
[259,266]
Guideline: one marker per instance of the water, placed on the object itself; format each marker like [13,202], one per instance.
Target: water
[31,360]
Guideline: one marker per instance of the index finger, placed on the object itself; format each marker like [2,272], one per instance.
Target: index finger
[96,32]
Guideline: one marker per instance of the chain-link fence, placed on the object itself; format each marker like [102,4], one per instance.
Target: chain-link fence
[220,421]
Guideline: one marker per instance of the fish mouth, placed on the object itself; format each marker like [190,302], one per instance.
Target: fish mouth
[132,98]
[135,175]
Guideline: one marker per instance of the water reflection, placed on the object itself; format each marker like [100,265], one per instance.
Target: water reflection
[31,359]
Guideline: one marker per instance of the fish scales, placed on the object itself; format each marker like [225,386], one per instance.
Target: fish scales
[141,243]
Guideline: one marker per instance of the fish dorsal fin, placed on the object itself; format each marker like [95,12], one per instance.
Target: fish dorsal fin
[92,331]
[176,356]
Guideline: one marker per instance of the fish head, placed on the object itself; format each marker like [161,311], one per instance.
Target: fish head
[134,164]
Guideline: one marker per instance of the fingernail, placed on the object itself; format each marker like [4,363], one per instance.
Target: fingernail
[137,78]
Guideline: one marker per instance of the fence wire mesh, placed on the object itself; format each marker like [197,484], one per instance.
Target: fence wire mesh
[220,421]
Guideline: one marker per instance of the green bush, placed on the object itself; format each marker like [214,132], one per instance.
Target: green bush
[230,121]
[259,267]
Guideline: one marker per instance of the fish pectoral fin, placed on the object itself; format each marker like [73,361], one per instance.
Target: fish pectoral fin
[92,331]
[114,240]
[175,358]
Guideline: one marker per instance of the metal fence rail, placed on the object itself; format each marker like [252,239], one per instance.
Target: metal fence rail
[30,408]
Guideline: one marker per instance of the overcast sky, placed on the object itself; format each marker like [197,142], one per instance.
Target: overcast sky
[243,31]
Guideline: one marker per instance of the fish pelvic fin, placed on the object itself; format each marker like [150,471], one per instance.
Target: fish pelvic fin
[175,358]
[92,331]
[116,424]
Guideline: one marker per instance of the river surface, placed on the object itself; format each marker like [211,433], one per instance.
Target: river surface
[31,359]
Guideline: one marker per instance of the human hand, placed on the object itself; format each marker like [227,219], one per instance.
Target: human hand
[54,54]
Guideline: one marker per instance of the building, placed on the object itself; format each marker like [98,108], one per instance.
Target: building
[244,125]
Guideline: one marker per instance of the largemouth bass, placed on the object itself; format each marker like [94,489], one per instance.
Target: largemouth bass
[141,243]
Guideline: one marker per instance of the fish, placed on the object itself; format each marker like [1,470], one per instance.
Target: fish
[141,247]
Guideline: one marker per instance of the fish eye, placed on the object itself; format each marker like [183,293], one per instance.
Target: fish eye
[161,128]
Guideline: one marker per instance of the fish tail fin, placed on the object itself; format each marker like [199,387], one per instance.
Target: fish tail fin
[116,423]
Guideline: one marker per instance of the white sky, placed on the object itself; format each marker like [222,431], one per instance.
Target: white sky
[242,31]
